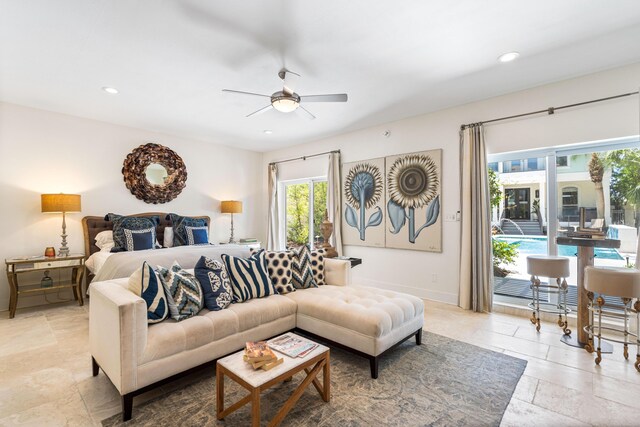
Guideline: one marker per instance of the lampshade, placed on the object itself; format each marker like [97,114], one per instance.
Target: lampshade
[231,206]
[60,202]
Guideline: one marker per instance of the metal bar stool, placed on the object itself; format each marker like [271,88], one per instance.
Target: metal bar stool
[552,267]
[623,283]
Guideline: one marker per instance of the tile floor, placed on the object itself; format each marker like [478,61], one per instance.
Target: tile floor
[45,370]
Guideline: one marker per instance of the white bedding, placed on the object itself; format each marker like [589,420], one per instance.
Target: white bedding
[95,262]
[123,264]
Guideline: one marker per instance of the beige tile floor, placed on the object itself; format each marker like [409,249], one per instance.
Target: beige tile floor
[45,371]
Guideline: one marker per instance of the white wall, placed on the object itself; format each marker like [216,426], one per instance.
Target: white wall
[45,152]
[433,275]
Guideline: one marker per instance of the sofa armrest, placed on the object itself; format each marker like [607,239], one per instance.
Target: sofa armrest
[117,332]
[337,272]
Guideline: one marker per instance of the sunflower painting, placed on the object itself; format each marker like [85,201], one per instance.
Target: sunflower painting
[363,208]
[413,201]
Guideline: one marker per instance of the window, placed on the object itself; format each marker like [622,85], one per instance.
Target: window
[532,164]
[570,204]
[562,161]
[514,166]
[304,207]
[493,166]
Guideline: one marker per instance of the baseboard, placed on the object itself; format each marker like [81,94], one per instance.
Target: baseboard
[444,297]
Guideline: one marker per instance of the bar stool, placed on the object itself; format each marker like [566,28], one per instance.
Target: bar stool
[552,267]
[623,283]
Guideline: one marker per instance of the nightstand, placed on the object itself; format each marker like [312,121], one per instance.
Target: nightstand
[17,266]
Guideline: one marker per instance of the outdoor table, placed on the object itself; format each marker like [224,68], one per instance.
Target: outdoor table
[586,249]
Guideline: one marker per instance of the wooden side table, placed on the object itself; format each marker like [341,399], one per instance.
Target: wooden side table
[256,381]
[17,266]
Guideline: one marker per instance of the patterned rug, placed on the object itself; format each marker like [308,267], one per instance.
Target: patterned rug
[443,382]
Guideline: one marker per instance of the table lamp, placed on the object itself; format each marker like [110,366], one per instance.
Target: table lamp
[56,203]
[231,207]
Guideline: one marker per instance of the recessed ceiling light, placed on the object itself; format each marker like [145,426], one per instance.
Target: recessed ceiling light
[111,90]
[508,57]
[268,131]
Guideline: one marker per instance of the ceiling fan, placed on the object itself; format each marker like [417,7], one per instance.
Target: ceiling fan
[286,100]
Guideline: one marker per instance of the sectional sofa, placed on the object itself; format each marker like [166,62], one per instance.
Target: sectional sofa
[137,357]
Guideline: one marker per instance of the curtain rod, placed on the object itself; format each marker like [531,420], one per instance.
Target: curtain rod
[549,110]
[304,157]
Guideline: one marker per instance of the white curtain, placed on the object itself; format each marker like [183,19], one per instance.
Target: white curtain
[273,232]
[476,270]
[334,201]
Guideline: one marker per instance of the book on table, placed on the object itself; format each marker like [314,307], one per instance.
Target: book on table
[292,345]
[260,356]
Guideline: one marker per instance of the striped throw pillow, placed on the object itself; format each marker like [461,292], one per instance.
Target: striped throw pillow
[249,277]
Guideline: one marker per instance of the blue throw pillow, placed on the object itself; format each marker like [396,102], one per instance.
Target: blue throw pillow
[145,283]
[249,277]
[120,223]
[137,240]
[179,231]
[215,283]
[184,294]
[197,235]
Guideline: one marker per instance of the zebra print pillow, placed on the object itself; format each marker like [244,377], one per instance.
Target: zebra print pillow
[249,277]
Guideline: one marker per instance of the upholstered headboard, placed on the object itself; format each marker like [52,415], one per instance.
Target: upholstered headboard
[92,225]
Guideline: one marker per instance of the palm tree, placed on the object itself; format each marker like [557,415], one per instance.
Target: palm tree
[596,172]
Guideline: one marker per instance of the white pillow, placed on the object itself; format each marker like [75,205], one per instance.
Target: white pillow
[168,237]
[104,240]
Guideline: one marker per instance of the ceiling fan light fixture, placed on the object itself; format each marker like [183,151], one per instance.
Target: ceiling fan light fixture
[285,103]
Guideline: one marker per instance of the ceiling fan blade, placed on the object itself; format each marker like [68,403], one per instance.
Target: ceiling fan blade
[260,111]
[334,97]
[307,113]
[290,80]
[245,93]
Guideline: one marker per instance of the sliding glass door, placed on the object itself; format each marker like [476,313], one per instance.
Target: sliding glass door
[543,192]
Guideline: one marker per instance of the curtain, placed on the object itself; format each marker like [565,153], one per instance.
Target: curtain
[334,201]
[476,269]
[273,231]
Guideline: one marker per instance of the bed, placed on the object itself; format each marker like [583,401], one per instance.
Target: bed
[107,265]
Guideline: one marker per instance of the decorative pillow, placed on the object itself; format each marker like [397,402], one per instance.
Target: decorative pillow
[145,283]
[137,240]
[120,223]
[249,277]
[104,240]
[179,223]
[279,269]
[184,294]
[215,283]
[302,274]
[317,266]
[168,237]
[197,235]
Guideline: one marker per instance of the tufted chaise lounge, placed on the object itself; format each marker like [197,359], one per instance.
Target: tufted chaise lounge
[137,356]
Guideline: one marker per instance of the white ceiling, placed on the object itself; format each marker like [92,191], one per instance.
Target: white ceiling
[395,58]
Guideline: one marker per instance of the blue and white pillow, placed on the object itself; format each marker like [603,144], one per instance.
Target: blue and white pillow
[179,231]
[184,294]
[120,223]
[249,277]
[301,271]
[213,277]
[145,283]
[197,235]
[138,240]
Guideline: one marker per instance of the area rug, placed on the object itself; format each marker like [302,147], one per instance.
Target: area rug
[443,382]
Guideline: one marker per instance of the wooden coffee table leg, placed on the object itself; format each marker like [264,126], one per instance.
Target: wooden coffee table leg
[255,407]
[219,391]
[297,393]
[326,382]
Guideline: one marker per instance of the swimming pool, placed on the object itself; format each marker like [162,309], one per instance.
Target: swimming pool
[538,246]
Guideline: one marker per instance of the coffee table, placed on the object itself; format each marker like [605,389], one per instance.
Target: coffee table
[256,381]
